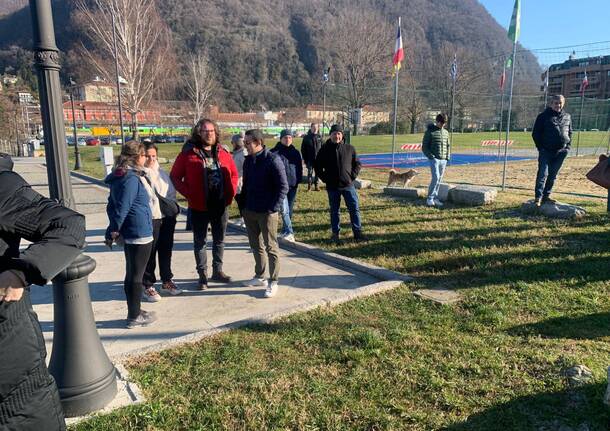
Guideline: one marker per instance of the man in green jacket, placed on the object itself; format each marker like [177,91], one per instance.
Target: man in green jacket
[437,148]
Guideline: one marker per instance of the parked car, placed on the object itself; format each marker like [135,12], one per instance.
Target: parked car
[110,140]
[176,139]
[80,139]
[92,141]
[160,139]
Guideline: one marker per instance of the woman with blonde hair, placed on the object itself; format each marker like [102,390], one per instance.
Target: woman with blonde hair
[130,223]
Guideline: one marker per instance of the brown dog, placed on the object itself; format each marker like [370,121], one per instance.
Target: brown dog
[405,177]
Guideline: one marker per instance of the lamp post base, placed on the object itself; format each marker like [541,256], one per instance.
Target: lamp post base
[85,377]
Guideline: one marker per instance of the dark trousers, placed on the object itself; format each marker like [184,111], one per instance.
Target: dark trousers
[351,201]
[163,243]
[136,258]
[549,163]
[29,399]
[165,247]
[312,177]
[149,273]
[218,221]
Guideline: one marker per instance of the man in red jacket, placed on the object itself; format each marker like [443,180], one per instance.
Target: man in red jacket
[204,173]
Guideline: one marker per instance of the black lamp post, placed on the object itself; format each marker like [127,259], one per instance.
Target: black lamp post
[77,159]
[85,377]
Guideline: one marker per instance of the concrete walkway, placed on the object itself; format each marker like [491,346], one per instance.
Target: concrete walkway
[308,278]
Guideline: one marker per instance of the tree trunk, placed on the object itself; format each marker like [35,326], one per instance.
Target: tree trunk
[134,126]
[413,122]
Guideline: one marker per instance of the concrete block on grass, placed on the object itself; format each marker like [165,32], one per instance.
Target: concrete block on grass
[405,192]
[472,195]
[362,184]
[443,191]
[557,210]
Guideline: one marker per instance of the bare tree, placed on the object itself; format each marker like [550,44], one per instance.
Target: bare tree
[200,85]
[361,44]
[143,47]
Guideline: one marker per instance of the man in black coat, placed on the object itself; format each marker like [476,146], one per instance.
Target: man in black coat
[552,134]
[338,166]
[312,142]
[29,399]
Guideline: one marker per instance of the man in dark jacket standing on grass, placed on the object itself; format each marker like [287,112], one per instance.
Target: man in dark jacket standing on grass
[29,399]
[294,174]
[552,135]
[437,148]
[265,187]
[312,142]
[338,166]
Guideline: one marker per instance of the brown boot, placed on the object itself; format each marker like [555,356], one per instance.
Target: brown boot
[316,188]
[308,186]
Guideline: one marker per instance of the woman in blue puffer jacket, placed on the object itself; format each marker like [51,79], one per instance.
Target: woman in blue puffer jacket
[130,223]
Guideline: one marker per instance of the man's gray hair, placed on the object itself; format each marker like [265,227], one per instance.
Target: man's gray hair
[558,97]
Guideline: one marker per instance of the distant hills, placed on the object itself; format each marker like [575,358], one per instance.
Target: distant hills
[270,53]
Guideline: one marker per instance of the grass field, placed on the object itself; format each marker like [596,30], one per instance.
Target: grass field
[537,300]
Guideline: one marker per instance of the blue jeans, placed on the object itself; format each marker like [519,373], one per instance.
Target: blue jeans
[549,163]
[437,167]
[351,201]
[286,211]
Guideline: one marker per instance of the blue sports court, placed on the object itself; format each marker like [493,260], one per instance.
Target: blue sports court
[412,160]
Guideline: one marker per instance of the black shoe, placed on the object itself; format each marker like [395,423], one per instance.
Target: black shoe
[221,277]
[358,237]
[145,318]
[538,201]
[335,238]
[548,200]
[202,284]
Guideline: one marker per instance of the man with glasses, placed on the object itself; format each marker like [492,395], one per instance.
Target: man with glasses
[265,188]
[552,134]
[205,174]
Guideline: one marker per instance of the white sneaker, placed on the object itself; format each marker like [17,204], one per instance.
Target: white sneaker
[272,289]
[241,222]
[150,294]
[437,203]
[170,288]
[254,282]
[430,202]
[289,238]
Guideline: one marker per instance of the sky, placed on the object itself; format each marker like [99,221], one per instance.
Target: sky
[555,23]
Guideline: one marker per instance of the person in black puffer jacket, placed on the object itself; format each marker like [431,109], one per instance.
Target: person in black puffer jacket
[338,166]
[29,399]
[552,135]
[312,142]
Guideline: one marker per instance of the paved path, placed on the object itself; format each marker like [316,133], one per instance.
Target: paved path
[306,281]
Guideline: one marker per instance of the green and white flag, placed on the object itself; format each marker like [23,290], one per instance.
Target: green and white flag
[515,23]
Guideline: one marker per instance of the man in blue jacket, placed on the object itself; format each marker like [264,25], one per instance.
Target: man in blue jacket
[552,134]
[293,164]
[265,187]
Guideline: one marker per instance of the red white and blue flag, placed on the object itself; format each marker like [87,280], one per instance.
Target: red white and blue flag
[399,53]
[584,84]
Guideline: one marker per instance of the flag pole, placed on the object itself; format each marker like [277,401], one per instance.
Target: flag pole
[396,70]
[395,112]
[510,106]
[582,103]
[501,109]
